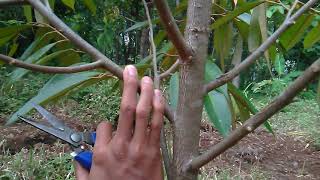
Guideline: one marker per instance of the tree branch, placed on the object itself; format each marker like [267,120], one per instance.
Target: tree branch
[173,31]
[163,141]
[292,9]
[259,51]
[85,46]
[76,39]
[169,71]
[153,46]
[255,121]
[50,69]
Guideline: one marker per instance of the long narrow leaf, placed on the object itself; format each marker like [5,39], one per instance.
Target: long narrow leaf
[295,33]
[218,110]
[19,72]
[236,12]
[56,87]
[312,37]
[174,90]
[244,101]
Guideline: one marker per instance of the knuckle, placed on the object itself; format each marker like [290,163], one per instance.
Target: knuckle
[119,148]
[156,126]
[99,155]
[142,113]
[159,107]
[128,108]
[136,152]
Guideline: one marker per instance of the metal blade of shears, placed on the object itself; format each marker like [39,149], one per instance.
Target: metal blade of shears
[52,119]
[64,135]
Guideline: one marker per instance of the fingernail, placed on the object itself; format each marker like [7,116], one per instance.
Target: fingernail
[131,70]
[147,80]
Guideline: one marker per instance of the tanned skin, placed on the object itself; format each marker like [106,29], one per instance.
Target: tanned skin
[133,153]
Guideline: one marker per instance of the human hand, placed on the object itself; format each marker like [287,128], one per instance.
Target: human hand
[134,151]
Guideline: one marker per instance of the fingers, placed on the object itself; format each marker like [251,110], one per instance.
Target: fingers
[157,117]
[104,134]
[128,103]
[81,173]
[143,110]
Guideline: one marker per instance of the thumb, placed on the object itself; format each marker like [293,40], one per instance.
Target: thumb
[81,173]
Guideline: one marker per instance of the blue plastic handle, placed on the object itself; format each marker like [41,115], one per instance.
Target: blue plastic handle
[93,136]
[85,157]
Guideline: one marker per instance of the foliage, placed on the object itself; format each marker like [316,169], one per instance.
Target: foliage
[37,164]
[102,100]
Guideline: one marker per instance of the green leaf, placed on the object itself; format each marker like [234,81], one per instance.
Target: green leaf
[19,72]
[69,3]
[7,31]
[254,38]
[223,42]
[67,59]
[90,4]
[312,37]
[218,110]
[272,53]
[54,55]
[243,101]
[295,33]
[13,49]
[243,29]
[212,72]
[174,90]
[27,11]
[280,63]
[4,40]
[52,4]
[31,48]
[236,12]
[217,102]
[56,87]
[137,25]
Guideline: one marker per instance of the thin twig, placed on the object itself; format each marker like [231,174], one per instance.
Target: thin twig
[171,70]
[255,121]
[173,31]
[292,9]
[153,46]
[163,142]
[223,79]
[50,69]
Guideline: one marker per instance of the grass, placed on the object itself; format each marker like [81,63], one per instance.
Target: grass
[300,119]
[36,164]
[236,174]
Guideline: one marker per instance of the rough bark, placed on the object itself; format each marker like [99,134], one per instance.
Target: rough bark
[189,110]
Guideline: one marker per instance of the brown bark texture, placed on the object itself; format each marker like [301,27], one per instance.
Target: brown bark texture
[190,102]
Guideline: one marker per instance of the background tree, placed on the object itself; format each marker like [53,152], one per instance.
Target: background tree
[203,55]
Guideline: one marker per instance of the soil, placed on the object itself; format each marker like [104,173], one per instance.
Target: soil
[280,156]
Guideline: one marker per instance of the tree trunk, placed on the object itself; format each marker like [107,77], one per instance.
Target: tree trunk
[189,110]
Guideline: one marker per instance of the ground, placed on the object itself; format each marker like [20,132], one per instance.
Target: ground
[261,155]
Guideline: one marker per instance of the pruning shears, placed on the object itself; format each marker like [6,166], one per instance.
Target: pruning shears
[74,138]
